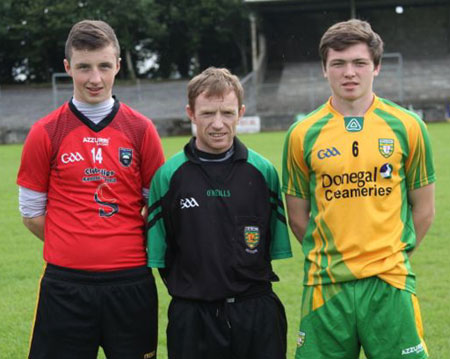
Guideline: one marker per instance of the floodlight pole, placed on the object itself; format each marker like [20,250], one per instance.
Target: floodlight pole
[352,9]
[255,70]
[252,18]
[55,95]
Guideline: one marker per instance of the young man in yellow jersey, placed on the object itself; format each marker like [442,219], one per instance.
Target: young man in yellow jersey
[359,182]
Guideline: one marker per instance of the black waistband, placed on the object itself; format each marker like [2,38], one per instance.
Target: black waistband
[81,276]
[254,292]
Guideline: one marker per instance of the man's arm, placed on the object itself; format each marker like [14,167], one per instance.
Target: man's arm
[422,206]
[35,225]
[298,215]
[32,206]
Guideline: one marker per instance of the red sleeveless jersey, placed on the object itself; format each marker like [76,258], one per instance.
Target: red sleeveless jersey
[94,176]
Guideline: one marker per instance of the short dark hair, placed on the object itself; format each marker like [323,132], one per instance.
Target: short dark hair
[91,35]
[215,82]
[344,34]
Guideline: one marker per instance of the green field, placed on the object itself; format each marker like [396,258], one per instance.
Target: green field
[21,261]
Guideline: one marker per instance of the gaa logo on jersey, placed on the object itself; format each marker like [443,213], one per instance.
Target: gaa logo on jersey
[251,236]
[327,153]
[386,170]
[386,147]
[125,156]
[71,157]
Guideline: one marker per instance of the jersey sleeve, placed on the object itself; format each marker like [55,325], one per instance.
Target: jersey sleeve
[152,155]
[280,246]
[156,234]
[35,163]
[159,191]
[419,164]
[295,170]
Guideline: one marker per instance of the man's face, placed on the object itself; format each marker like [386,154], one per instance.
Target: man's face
[93,73]
[216,119]
[350,73]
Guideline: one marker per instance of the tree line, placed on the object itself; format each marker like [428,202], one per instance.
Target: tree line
[182,36]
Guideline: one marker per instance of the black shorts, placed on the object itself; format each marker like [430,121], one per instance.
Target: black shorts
[80,311]
[250,328]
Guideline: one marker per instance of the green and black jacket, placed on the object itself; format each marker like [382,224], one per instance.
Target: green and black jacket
[215,226]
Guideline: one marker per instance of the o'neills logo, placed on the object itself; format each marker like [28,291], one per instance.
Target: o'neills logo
[358,184]
[218,193]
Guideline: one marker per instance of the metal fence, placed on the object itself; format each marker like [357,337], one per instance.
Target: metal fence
[301,87]
[423,85]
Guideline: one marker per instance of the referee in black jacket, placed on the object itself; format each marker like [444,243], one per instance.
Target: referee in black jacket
[216,220]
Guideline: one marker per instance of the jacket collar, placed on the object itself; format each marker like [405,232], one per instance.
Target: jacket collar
[240,151]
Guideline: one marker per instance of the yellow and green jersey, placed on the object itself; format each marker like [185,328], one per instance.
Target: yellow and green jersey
[356,172]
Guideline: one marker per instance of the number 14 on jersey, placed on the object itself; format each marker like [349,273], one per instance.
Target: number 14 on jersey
[97,155]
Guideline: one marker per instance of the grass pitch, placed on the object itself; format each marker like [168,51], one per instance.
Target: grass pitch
[21,260]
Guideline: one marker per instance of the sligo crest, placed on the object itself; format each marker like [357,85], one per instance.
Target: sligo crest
[125,156]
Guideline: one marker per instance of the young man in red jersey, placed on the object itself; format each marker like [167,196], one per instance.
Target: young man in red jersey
[83,183]
[359,181]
